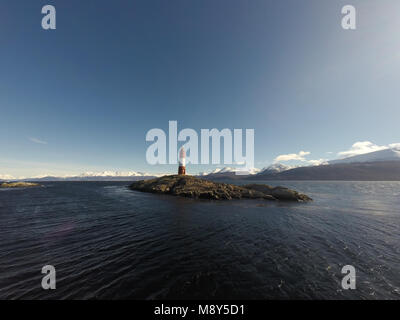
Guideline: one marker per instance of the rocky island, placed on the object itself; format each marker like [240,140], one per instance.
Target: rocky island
[18,185]
[192,187]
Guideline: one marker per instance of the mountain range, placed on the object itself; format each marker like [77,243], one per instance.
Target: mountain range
[392,154]
[92,176]
[383,165]
[357,171]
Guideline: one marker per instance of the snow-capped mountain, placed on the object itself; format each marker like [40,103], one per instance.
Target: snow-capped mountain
[392,154]
[113,174]
[6,177]
[383,165]
[89,176]
[275,168]
[228,172]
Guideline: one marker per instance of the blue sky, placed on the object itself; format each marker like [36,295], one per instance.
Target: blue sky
[83,96]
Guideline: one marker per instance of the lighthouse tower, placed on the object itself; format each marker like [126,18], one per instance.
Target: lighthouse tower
[182,162]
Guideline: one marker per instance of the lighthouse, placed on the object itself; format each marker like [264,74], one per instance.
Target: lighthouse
[182,162]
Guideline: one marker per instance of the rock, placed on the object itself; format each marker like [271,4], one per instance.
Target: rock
[192,187]
[18,185]
[279,193]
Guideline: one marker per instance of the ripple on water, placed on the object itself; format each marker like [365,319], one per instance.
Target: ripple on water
[109,242]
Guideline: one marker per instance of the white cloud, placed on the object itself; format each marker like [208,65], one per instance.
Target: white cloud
[360,147]
[363,147]
[292,156]
[36,140]
[301,156]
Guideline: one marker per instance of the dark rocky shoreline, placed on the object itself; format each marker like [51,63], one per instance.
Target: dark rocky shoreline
[192,187]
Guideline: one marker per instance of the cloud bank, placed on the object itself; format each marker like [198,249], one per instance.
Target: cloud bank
[301,156]
[362,147]
[292,156]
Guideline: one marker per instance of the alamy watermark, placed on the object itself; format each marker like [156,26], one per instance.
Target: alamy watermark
[348,20]
[49,280]
[49,20]
[232,144]
[349,280]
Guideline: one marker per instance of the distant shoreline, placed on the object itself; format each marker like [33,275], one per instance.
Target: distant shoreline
[358,171]
[13,185]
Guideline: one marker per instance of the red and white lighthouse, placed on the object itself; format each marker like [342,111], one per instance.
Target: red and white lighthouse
[182,162]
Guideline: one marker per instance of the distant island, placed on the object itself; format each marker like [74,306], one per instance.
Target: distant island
[193,187]
[18,185]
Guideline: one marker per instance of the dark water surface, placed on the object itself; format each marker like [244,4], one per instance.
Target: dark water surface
[108,242]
